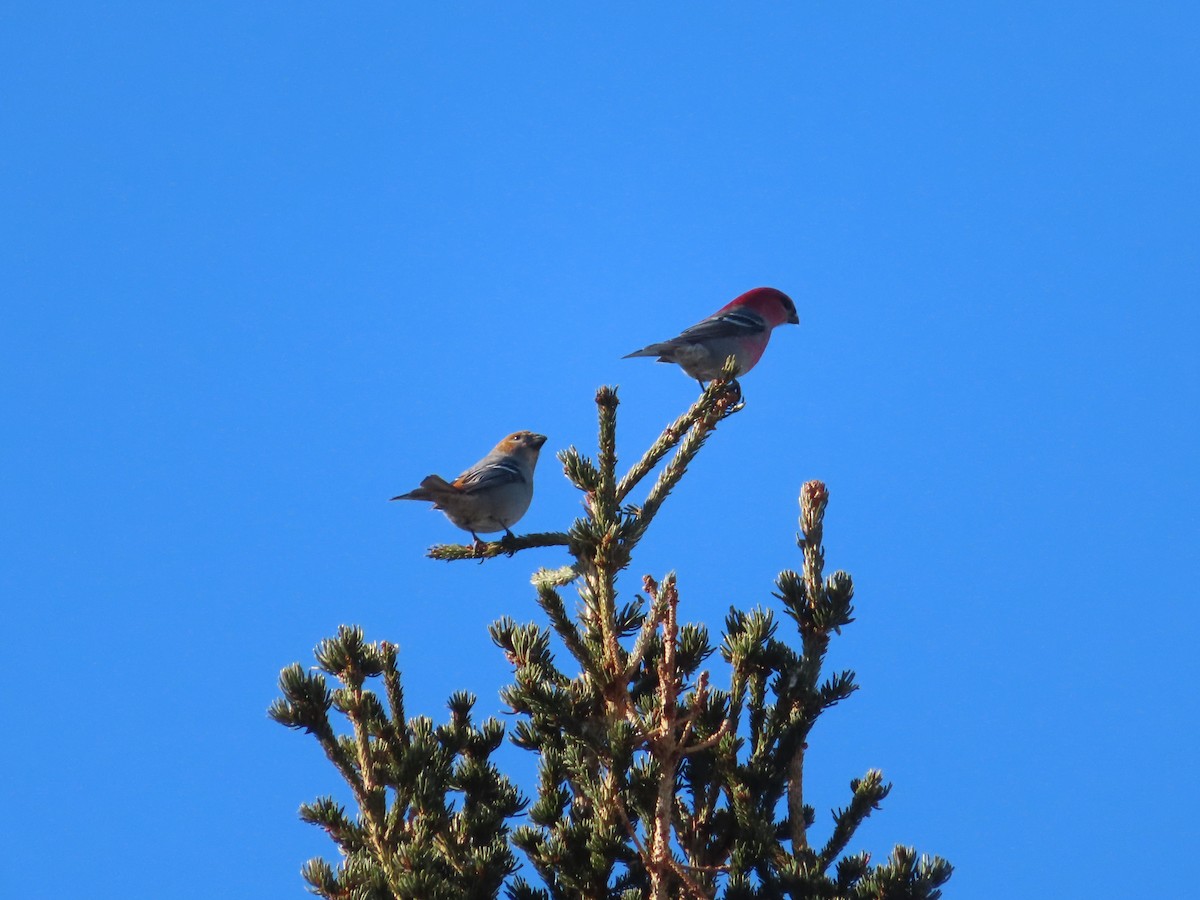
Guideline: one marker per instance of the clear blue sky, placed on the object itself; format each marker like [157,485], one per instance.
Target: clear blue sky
[266,265]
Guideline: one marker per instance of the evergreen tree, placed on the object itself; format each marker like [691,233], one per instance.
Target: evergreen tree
[653,782]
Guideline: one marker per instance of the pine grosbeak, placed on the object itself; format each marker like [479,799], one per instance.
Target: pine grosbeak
[741,328]
[494,493]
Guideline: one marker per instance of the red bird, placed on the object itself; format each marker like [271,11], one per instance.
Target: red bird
[740,329]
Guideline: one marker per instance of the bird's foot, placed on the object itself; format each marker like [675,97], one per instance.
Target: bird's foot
[732,400]
[508,542]
[478,547]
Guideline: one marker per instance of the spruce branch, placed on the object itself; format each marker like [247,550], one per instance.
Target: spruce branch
[604,501]
[431,808]
[809,596]
[646,633]
[904,877]
[868,792]
[796,815]
[813,499]
[506,546]
[580,471]
[670,476]
[552,604]
[724,389]
[664,746]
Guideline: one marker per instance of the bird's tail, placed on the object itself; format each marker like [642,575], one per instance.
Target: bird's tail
[660,350]
[432,488]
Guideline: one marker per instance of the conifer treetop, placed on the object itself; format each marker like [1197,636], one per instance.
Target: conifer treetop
[654,780]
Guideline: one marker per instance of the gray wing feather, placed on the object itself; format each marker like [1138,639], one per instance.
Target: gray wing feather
[489,475]
[740,323]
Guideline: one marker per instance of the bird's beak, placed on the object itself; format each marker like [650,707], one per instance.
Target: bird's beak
[538,440]
[794,319]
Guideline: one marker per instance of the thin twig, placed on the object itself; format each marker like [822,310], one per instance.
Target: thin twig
[725,405]
[674,433]
[504,547]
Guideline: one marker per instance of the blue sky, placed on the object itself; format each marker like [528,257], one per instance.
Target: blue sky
[267,265]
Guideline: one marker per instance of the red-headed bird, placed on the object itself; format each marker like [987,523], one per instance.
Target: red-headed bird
[741,328]
[494,493]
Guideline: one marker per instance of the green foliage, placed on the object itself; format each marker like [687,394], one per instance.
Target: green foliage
[432,810]
[653,782]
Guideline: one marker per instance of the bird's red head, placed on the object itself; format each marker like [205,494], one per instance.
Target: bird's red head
[773,305]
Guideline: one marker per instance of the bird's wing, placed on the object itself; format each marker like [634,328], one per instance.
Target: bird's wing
[736,323]
[489,475]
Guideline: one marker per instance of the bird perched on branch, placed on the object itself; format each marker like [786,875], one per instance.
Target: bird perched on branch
[494,493]
[741,329]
